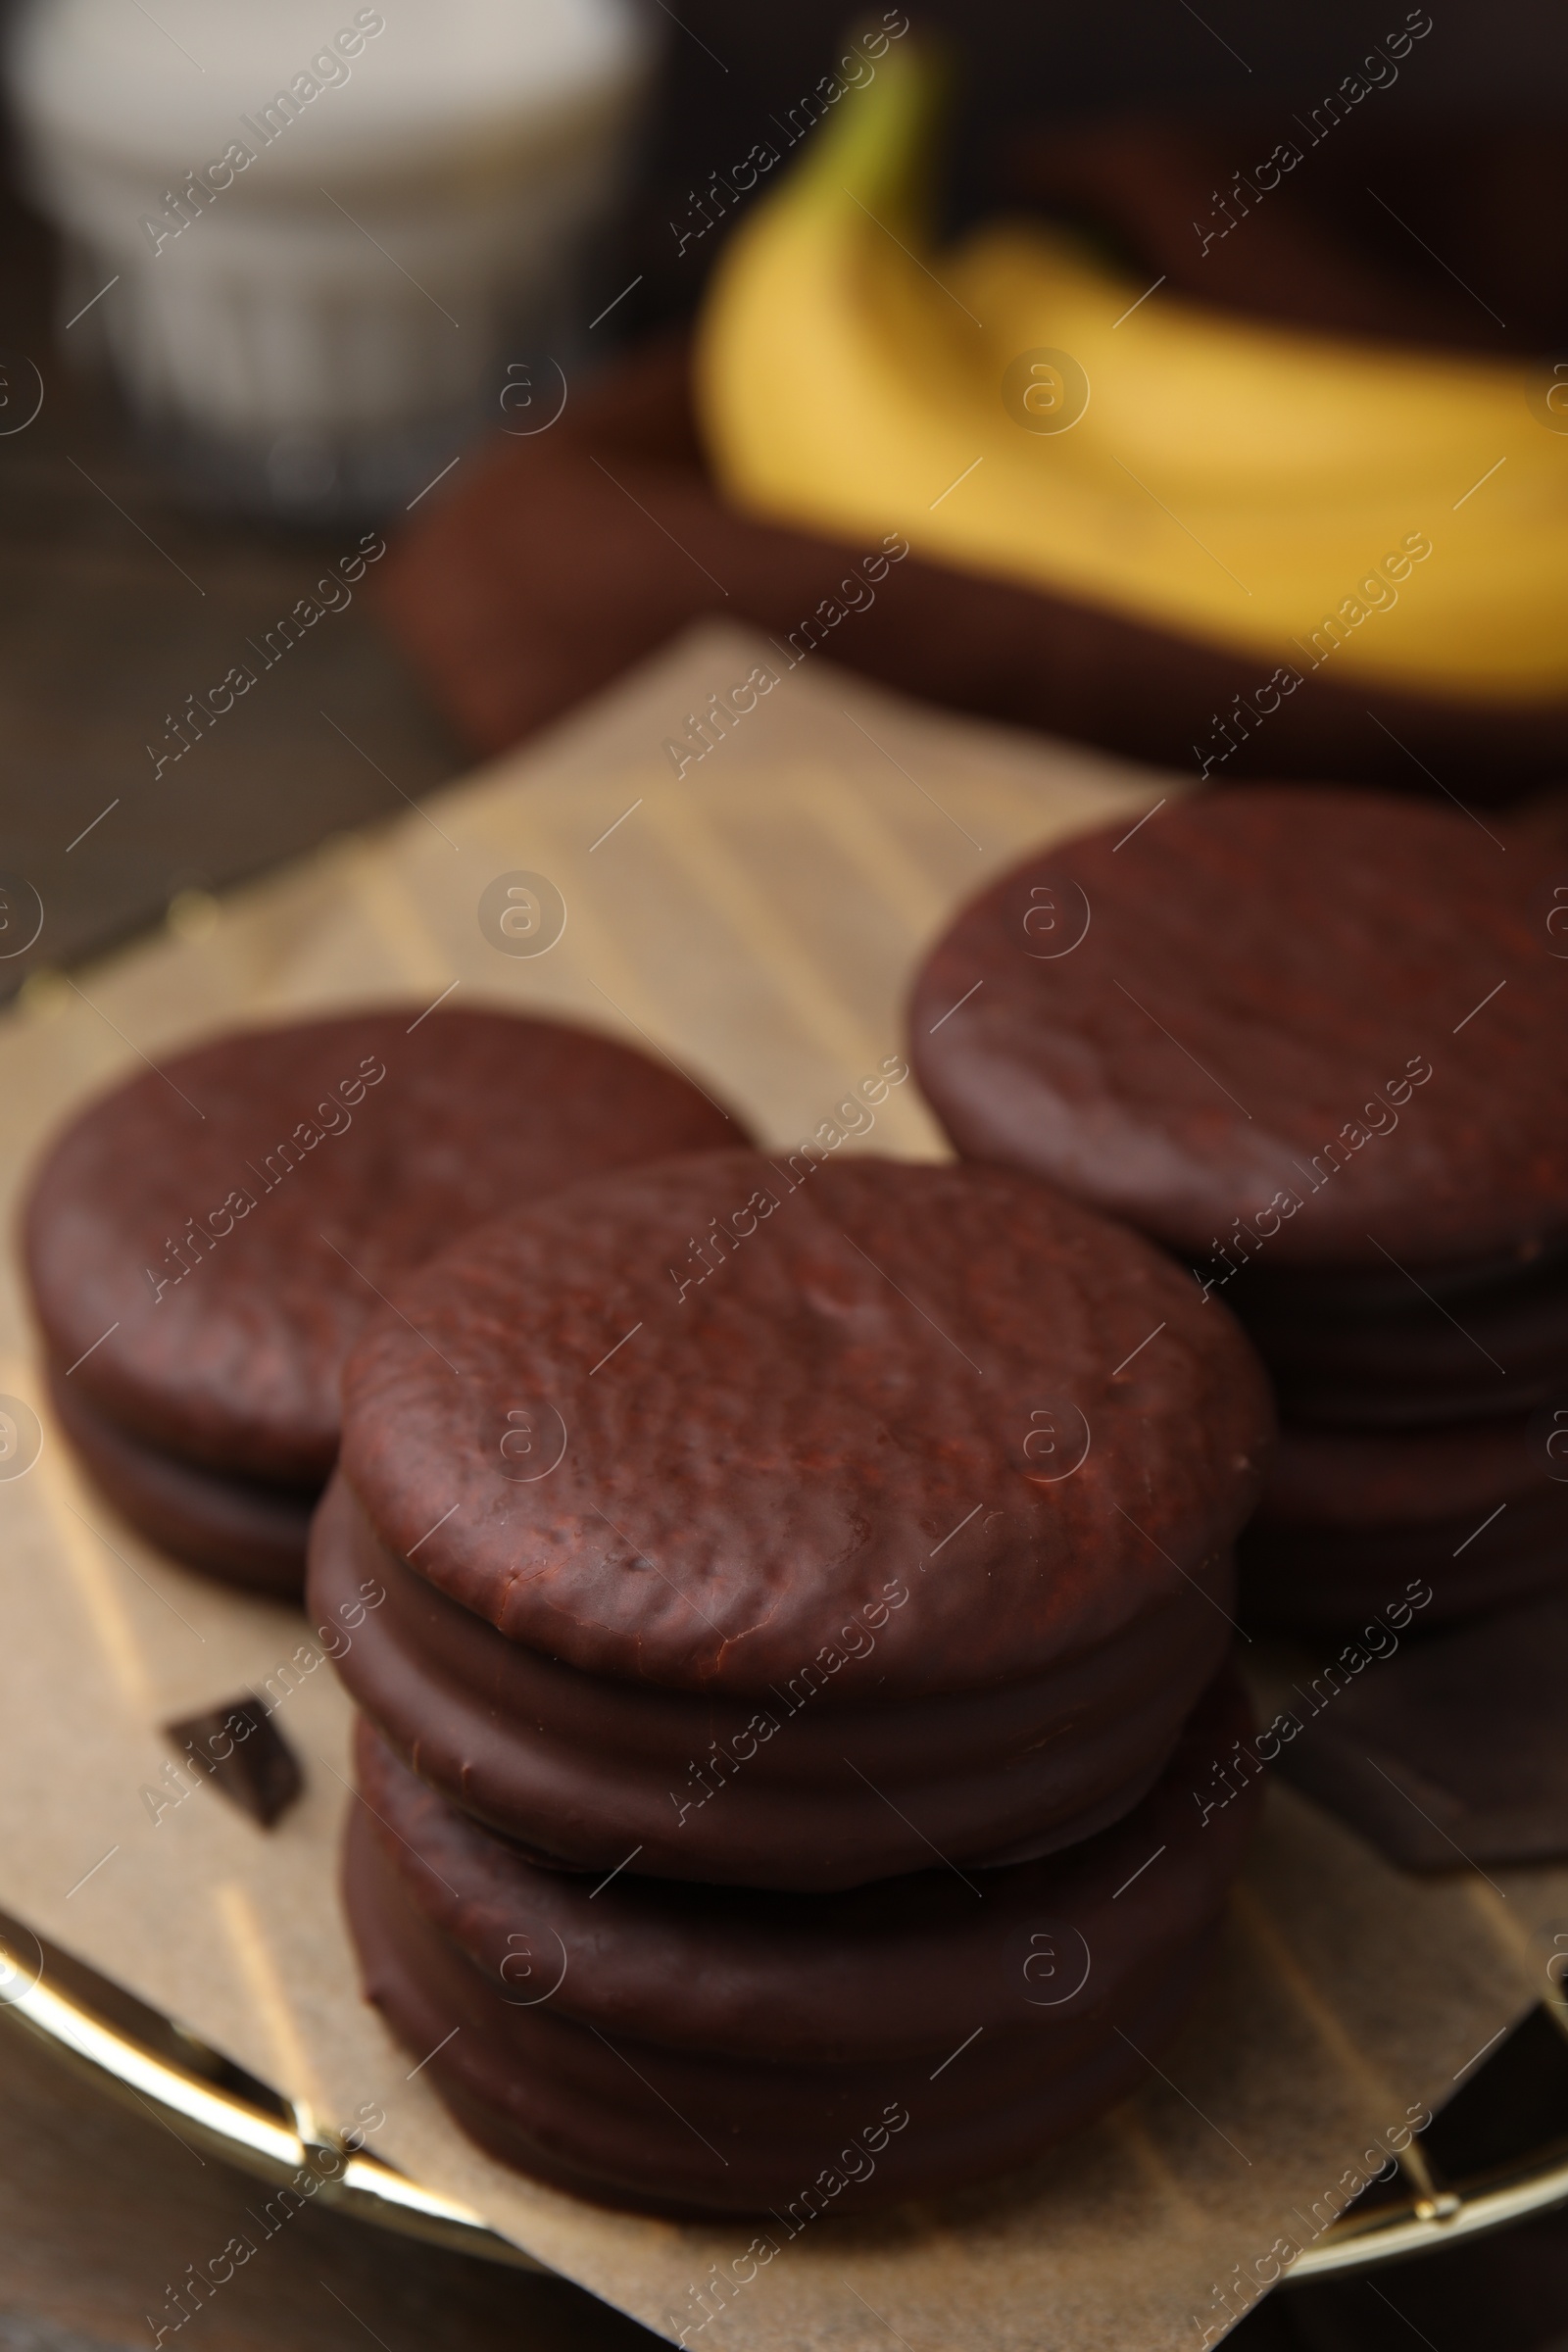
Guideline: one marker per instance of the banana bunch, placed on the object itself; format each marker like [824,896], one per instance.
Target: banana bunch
[1014,409]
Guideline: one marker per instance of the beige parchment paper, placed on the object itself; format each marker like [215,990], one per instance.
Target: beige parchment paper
[758,918]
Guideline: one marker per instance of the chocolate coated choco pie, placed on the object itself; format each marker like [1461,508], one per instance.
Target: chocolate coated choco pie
[906,1524]
[203,1242]
[1473,1504]
[1258,977]
[697,2049]
[1311,1041]
[1470,1343]
[249,1530]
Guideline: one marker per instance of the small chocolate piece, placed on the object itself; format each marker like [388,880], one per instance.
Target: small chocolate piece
[246,1755]
[1450,1755]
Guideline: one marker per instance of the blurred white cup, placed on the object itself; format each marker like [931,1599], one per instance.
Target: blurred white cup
[328,228]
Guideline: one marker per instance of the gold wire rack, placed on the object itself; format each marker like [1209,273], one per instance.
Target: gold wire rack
[131,2053]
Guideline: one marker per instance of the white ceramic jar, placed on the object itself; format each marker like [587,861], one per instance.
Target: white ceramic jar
[325,230]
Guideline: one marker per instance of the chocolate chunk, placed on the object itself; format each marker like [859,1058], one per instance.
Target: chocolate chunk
[246,1754]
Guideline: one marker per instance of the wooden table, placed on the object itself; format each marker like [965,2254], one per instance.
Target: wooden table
[116,604]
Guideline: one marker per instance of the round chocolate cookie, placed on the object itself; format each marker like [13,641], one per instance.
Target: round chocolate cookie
[694,2048]
[203,1242]
[796,1519]
[1348,1518]
[1459,1345]
[1310,1026]
[814,1781]
[249,1530]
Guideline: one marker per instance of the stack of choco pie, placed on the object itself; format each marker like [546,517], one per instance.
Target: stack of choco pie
[800,1603]
[1312,1041]
[203,1242]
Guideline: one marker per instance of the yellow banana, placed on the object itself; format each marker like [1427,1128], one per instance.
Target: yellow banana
[1199,402]
[1245,485]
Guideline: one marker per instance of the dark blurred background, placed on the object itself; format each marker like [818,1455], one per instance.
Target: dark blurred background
[731,70]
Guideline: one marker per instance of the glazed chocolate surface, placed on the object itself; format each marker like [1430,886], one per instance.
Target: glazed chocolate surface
[1358,1348]
[1492,1354]
[1323,1580]
[824,1782]
[1353,1479]
[1259,977]
[674,2132]
[205,1242]
[1348,1518]
[878,1970]
[698,1480]
[691,2050]
[241,1529]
